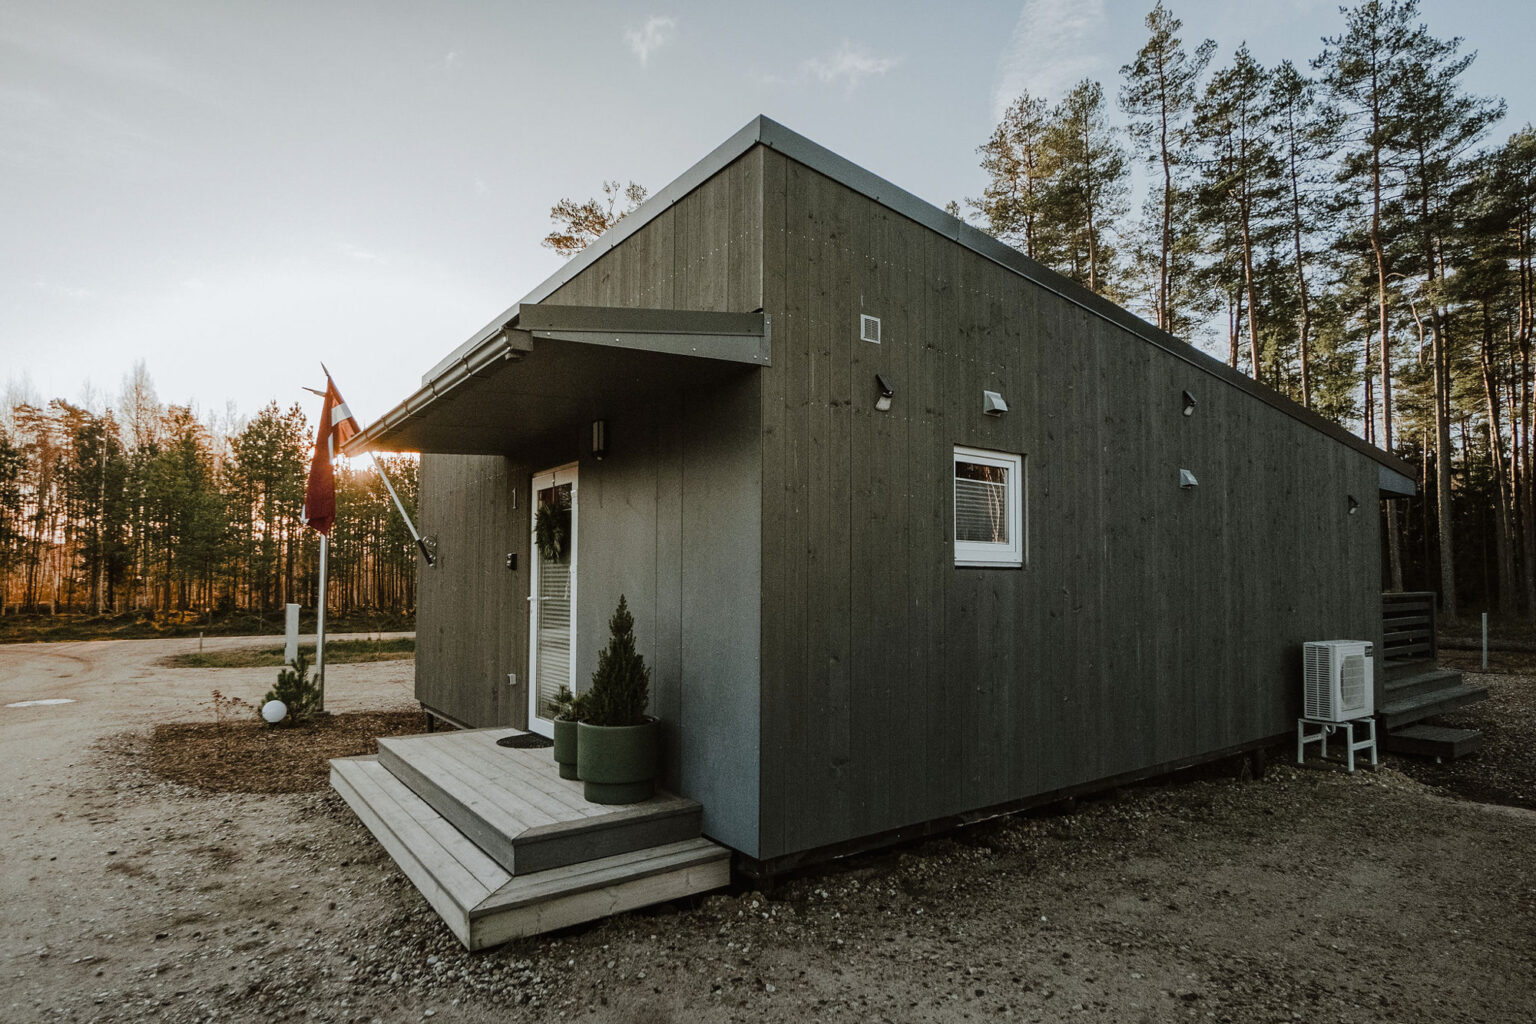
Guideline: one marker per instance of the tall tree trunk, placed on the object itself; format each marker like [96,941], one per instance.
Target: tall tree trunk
[1301,287]
[1503,534]
[1443,503]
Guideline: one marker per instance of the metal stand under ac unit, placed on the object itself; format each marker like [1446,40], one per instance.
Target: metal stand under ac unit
[1326,728]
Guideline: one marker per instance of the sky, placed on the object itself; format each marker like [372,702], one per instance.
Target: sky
[233,193]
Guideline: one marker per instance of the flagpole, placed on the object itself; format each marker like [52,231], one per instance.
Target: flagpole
[320,625]
[400,507]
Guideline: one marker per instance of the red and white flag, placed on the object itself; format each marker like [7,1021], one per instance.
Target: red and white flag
[337,427]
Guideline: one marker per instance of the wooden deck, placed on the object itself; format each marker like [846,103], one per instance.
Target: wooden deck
[501,847]
[515,807]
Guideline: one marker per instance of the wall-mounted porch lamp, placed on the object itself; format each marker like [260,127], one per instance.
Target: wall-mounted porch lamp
[599,439]
[1187,480]
[1354,506]
[883,394]
[992,403]
[1189,404]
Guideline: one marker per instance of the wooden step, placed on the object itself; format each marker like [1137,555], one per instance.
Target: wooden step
[1394,714]
[1427,679]
[1398,668]
[485,905]
[514,805]
[1437,741]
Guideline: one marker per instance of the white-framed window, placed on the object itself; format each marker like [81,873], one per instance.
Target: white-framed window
[989,508]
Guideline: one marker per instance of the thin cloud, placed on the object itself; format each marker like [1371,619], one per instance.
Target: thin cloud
[451,59]
[849,64]
[63,291]
[1052,48]
[649,38]
[359,253]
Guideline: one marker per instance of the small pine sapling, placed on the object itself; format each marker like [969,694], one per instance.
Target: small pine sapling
[621,686]
[296,690]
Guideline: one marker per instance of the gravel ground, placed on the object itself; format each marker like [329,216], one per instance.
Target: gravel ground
[1310,895]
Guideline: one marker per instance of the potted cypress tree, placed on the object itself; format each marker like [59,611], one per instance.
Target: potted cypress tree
[619,745]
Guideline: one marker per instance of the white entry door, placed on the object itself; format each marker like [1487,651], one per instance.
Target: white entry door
[552,598]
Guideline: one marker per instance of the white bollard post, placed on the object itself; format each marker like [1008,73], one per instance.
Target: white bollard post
[1485,641]
[291,642]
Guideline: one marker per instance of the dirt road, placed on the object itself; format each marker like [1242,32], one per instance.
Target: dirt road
[1308,896]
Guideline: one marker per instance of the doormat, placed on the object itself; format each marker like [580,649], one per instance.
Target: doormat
[525,741]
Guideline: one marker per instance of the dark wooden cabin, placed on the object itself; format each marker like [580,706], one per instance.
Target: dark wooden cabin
[834,668]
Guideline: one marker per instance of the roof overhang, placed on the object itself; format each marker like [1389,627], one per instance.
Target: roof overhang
[548,367]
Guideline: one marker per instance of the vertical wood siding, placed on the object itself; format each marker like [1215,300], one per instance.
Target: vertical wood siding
[670,519]
[1150,624]
[472,613]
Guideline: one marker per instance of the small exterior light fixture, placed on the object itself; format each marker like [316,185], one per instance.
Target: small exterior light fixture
[1187,480]
[599,439]
[1354,506]
[1189,404]
[992,403]
[883,394]
[274,711]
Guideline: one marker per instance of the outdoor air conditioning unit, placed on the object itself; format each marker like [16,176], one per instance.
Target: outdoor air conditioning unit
[1339,680]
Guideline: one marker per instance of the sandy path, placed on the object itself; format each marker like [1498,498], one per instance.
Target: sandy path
[97,862]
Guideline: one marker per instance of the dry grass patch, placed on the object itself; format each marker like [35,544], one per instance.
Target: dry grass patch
[337,652]
[250,757]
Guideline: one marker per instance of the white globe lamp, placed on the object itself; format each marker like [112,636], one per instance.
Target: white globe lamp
[274,711]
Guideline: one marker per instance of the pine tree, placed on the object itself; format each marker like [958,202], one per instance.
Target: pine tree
[1158,93]
[1305,136]
[620,687]
[1018,173]
[1087,188]
[1240,186]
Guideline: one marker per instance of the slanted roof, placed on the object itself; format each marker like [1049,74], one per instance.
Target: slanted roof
[488,346]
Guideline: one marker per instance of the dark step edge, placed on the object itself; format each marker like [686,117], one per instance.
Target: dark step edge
[1433,741]
[1414,709]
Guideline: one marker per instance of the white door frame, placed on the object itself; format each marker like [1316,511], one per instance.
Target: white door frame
[549,478]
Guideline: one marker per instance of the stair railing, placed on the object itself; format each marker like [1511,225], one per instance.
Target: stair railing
[1408,626]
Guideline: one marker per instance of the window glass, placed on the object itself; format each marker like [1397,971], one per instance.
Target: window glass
[988,507]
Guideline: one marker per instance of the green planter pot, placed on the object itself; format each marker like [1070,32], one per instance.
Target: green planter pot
[618,763]
[565,748]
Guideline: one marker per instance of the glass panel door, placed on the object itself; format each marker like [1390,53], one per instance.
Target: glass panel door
[552,601]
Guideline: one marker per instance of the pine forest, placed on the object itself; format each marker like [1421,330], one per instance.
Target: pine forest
[1353,228]
[138,507]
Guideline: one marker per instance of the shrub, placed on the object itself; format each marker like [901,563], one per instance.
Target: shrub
[621,686]
[568,706]
[295,689]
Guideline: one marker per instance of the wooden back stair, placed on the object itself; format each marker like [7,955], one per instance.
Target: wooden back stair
[1413,687]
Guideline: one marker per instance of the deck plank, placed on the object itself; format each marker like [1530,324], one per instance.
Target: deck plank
[466,786]
[509,775]
[559,797]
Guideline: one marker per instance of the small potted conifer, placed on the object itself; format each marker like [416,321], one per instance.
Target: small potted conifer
[567,709]
[619,745]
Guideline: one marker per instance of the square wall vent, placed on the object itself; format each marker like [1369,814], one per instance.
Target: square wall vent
[869,328]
